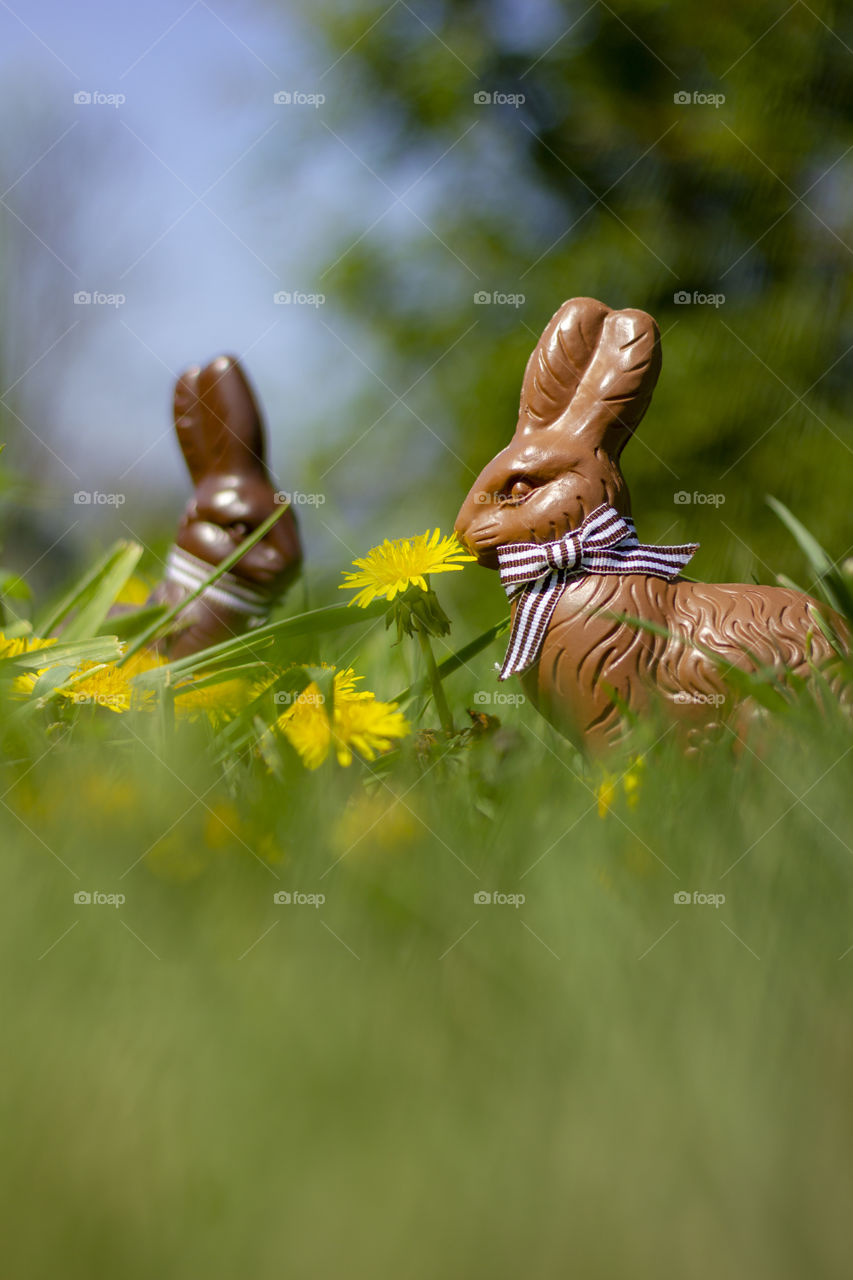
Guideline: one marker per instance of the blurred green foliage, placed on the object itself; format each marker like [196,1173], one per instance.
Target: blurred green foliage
[601,184]
[401,1080]
[495,1009]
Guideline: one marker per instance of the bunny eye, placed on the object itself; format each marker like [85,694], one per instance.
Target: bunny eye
[519,490]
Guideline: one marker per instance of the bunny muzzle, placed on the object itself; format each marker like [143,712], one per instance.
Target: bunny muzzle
[223,511]
[481,523]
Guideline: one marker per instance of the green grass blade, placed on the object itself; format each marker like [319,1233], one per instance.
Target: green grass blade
[95,602]
[96,649]
[829,578]
[456,660]
[163,623]
[47,622]
[330,618]
[127,625]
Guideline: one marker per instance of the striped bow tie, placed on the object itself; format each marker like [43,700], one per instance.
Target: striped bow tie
[538,572]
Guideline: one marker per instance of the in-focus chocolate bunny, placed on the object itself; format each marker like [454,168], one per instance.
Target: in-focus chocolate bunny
[221,434]
[553,514]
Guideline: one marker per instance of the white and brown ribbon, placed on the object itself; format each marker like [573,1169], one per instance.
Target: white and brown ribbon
[538,573]
[228,592]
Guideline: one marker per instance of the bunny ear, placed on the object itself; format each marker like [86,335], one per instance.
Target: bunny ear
[592,374]
[230,418]
[188,425]
[559,360]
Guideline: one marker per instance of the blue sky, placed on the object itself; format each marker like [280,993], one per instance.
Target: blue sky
[197,198]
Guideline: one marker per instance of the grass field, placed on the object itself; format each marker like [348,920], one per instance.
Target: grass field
[384,1076]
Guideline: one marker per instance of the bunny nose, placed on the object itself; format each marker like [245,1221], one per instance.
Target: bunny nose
[462,524]
[460,530]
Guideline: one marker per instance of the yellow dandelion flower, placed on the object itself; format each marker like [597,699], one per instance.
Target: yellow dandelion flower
[607,789]
[358,722]
[23,684]
[369,726]
[392,567]
[632,780]
[16,645]
[605,794]
[306,727]
[218,701]
[140,662]
[345,682]
[305,723]
[135,592]
[106,685]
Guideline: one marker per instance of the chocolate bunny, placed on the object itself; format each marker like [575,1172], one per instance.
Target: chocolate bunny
[221,435]
[553,513]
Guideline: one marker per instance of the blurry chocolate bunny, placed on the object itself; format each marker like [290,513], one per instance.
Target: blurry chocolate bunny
[553,514]
[221,435]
